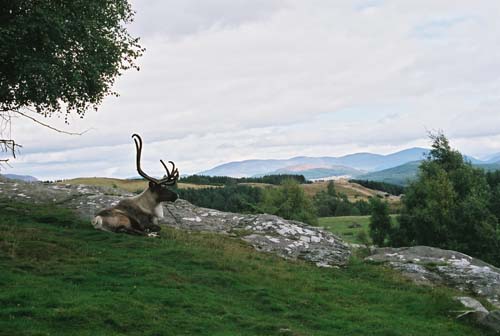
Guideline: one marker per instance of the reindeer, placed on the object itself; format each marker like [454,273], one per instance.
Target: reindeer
[139,214]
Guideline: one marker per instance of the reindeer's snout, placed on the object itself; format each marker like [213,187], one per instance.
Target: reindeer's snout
[168,195]
[163,193]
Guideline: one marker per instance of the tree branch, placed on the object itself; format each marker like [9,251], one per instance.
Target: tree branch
[8,145]
[48,126]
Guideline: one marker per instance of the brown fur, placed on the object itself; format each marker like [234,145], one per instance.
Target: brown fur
[139,214]
[136,215]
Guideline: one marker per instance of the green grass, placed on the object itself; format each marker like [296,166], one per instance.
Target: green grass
[347,227]
[61,277]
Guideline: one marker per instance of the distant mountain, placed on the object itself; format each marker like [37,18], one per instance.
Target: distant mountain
[25,178]
[399,175]
[394,168]
[493,158]
[358,161]
[395,159]
[312,173]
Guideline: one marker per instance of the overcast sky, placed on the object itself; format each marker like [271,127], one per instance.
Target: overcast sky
[225,80]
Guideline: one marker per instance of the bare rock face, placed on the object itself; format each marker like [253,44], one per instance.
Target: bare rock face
[429,265]
[288,239]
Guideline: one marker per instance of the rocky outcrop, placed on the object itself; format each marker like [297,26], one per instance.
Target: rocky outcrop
[267,233]
[428,265]
[479,313]
[287,238]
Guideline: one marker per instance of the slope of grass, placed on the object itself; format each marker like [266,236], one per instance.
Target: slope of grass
[354,191]
[341,187]
[61,277]
[347,227]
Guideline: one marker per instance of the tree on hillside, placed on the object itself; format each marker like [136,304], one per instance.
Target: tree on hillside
[289,201]
[449,206]
[60,57]
[329,202]
[493,179]
[380,221]
[330,189]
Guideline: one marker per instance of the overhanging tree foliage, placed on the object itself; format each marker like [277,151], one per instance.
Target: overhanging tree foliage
[61,57]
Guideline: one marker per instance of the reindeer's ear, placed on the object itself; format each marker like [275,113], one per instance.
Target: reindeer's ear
[151,185]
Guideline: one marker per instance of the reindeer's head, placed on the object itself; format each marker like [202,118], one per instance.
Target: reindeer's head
[158,188]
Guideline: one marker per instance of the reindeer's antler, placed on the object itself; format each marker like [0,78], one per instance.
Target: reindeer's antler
[169,179]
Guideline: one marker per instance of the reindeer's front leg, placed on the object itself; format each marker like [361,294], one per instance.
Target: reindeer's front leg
[131,231]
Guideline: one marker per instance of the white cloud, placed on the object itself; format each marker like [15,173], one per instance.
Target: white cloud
[229,80]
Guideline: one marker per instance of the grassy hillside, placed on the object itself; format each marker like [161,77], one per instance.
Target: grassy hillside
[347,227]
[353,191]
[61,277]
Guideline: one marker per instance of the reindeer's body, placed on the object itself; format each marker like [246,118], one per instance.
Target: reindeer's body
[139,214]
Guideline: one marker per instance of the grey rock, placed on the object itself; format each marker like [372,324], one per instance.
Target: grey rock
[286,238]
[429,265]
[268,233]
[475,307]
[492,320]
[476,310]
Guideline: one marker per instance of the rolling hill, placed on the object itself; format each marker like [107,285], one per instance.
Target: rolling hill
[358,161]
[312,173]
[399,175]
[25,178]
[494,158]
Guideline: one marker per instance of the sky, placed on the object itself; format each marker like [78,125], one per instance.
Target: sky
[229,80]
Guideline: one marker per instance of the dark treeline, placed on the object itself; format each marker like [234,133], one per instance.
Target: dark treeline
[389,188]
[288,201]
[226,180]
[451,205]
[231,198]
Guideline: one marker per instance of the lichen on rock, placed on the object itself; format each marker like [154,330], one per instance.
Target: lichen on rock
[429,265]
